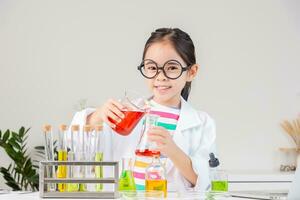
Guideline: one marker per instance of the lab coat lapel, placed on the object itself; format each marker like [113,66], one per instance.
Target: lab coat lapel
[188,118]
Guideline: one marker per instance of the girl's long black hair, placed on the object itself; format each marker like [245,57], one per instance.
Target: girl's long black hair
[182,43]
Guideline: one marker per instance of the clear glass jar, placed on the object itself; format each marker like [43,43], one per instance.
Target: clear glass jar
[155,176]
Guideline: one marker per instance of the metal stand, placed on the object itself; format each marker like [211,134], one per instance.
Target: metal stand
[96,195]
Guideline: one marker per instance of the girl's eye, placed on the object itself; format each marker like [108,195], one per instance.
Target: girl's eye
[172,68]
[151,67]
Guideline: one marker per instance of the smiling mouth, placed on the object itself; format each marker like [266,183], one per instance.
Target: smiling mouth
[162,87]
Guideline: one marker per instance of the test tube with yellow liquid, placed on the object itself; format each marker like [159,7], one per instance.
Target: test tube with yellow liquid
[99,149]
[62,156]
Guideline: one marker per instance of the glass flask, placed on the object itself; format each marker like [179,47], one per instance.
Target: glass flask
[155,176]
[145,147]
[126,181]
[134,109]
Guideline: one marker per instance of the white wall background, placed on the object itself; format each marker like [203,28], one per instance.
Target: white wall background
[54,53]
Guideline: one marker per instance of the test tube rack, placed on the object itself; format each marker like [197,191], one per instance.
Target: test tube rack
[43,181]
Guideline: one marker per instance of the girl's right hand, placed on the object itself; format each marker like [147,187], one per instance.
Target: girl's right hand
[110,109]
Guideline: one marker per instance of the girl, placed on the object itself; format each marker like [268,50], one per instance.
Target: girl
[183,135]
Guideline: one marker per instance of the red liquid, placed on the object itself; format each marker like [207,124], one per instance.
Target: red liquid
[128,123]
[147,152]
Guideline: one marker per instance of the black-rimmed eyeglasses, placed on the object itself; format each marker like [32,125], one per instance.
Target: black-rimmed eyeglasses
[172,69]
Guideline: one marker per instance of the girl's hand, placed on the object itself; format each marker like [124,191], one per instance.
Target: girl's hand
[110,109]
[167,146]
[163,139]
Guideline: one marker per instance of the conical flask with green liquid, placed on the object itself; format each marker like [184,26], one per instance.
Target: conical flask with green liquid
[126,181]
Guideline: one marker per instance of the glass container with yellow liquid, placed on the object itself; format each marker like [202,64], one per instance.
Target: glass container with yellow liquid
[62,156]
[155,176]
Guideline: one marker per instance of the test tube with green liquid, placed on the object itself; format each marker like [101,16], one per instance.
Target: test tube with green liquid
[88,156]
[99,149]
[73,187]
[83,155]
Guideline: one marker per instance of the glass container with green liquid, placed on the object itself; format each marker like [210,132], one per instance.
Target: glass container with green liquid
[126,181]
[73,187]
[89,156]
[99,149]
[219,180]
[84,147]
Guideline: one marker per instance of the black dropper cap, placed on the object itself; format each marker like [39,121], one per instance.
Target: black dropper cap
[213,161]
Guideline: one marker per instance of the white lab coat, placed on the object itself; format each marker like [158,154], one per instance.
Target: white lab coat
[195,135]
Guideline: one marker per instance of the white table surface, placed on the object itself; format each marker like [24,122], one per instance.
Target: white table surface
[35,196]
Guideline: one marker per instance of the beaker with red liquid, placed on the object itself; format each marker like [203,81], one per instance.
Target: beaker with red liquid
[127,124]
[145,147]
[134,109]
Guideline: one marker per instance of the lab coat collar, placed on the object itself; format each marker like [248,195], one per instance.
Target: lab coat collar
[188,116]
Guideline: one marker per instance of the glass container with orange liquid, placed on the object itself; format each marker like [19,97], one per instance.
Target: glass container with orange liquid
[155,176]
[134,110]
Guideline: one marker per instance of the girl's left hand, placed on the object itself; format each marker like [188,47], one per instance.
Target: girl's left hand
[163,139]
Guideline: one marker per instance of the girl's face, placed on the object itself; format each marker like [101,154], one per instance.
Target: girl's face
[167,91]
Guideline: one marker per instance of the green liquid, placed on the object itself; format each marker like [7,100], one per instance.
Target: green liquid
[82,187]
[72,187]
[219,186]
[99,170]
[126,181]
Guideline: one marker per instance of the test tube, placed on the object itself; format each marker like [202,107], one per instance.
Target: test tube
[62,156]
[73,187]
[99,149]
[87,131]
[49,155]
[82,156]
